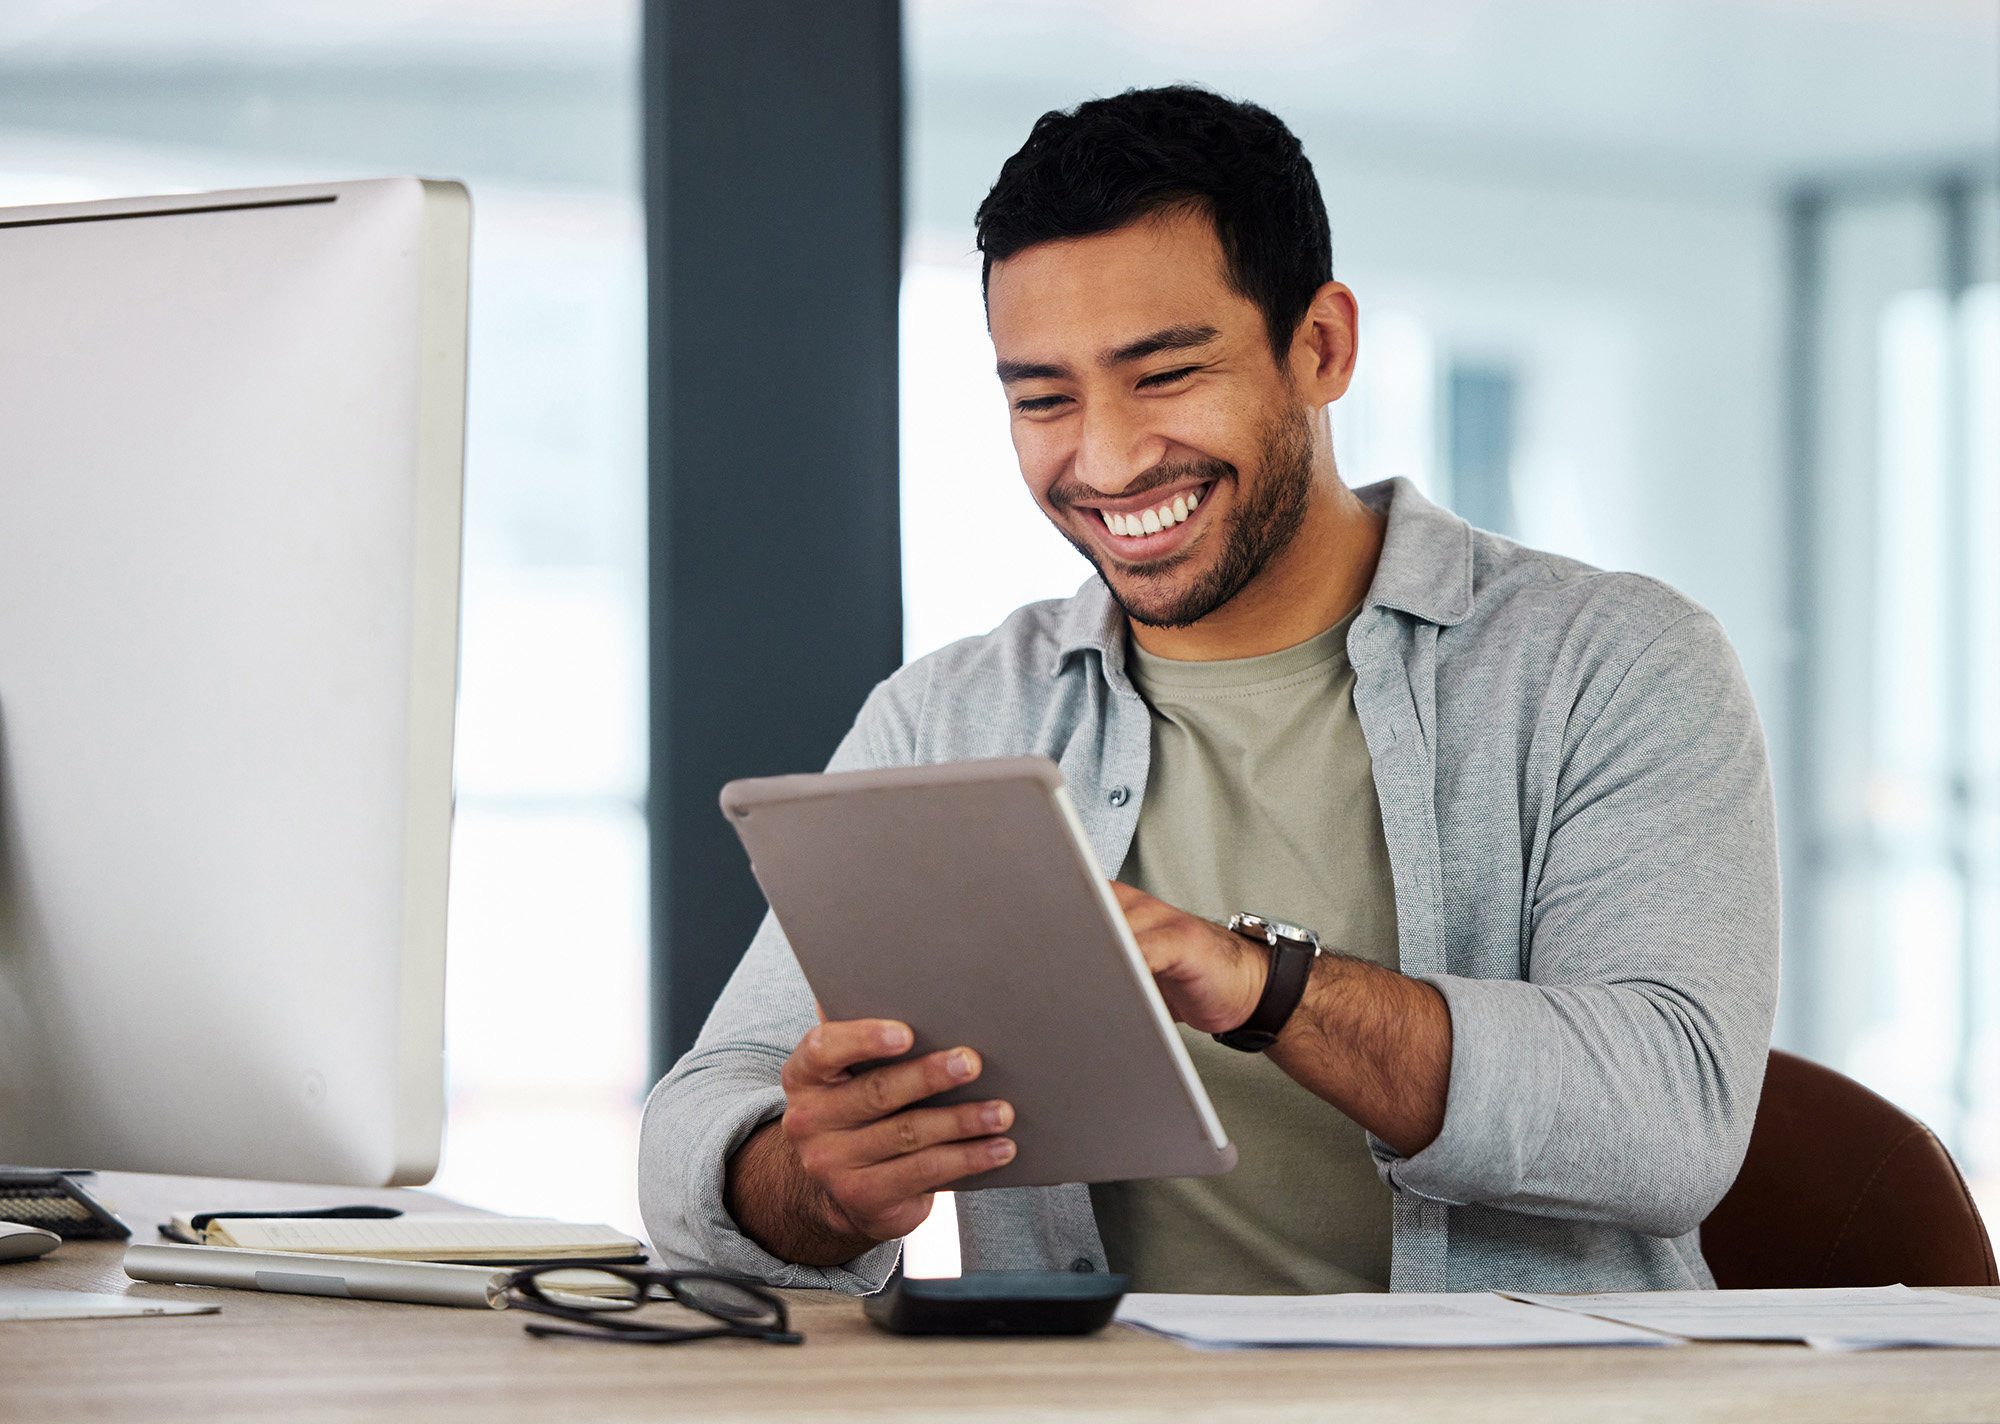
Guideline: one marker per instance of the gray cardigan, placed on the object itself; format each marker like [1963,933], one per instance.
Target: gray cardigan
[1577,805]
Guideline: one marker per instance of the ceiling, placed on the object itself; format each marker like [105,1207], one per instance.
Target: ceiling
[1727,91]
[1732,89]
[43,32]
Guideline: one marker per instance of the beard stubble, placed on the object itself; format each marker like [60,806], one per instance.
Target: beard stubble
[1258,530]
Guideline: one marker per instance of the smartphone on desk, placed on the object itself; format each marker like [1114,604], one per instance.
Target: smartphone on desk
[998,1303]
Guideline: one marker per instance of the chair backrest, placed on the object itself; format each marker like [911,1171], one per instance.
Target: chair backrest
[1843,1188]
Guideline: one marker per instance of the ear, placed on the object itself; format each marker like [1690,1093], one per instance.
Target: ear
[1325,344]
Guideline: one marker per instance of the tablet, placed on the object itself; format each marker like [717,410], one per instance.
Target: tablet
[964,900]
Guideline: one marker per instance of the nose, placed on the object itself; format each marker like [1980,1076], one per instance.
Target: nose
[1114,448]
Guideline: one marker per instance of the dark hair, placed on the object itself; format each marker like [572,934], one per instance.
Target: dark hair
[1110,162]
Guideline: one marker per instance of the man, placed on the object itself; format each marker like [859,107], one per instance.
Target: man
[1525,805]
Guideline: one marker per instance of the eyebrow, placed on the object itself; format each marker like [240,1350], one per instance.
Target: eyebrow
[1169,338]
[1172,338]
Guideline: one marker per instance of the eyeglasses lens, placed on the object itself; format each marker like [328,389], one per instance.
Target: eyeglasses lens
[583,1289]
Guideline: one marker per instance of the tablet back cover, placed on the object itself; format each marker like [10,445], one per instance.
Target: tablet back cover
[962,899]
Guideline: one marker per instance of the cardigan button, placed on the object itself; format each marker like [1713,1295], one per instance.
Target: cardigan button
[1119,796]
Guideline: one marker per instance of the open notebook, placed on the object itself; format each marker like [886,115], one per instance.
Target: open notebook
[473,1240]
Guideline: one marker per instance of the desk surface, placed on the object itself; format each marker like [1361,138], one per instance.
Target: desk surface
[311,1359]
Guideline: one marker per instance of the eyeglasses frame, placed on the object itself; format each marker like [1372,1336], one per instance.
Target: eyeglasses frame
[524,1292]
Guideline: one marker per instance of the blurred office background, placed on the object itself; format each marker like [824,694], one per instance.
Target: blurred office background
[1700,288]
[532,105]
[1704,289]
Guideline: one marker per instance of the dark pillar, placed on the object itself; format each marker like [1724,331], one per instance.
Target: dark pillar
[773,171]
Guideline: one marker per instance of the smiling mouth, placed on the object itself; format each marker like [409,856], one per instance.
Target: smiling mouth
[1140,524]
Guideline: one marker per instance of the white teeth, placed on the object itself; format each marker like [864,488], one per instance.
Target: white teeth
[1151,521]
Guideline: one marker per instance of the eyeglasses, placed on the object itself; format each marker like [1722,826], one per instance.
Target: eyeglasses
[604,1299]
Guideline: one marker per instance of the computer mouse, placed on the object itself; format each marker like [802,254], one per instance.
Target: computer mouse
[24,1243]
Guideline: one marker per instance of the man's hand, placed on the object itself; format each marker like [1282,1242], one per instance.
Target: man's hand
[851,1163]
[1374,1043]
[1210,978]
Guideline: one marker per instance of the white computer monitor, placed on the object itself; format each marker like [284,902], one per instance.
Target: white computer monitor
[231,453]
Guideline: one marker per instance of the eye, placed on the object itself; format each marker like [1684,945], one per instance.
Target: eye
[1038,405]
[1167,378]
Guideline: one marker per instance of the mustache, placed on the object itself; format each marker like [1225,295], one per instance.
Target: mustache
[1068,494]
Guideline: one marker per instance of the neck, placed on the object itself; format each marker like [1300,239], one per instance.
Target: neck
[1316,581]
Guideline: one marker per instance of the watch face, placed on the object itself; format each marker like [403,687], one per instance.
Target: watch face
[1262,927]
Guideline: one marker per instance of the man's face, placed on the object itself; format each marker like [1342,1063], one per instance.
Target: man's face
[1153,425]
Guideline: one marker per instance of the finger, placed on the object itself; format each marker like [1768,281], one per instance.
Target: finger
[1147,914]
[871,1193]
[1171,940]
[828,1050]
[1129,897]
[1159,944]
[899,1220]
[893,1087]
[920,1128]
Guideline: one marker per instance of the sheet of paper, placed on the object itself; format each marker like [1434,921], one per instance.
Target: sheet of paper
[24,1304]
[1877,1318]
[1474,1320]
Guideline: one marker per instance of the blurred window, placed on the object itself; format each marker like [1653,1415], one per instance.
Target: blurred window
[1930,1035]
[533,103]
[1481,440]
[1566,229]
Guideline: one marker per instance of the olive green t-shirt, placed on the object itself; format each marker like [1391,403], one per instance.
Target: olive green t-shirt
[1261,797]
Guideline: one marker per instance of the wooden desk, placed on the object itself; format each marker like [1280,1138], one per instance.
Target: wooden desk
[268,1357]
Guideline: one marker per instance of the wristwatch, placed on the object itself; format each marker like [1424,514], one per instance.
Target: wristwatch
[1293,951]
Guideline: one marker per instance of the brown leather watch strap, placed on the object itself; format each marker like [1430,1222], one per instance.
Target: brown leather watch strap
[1292,952]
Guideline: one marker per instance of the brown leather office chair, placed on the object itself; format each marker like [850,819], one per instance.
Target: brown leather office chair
[1843,1188]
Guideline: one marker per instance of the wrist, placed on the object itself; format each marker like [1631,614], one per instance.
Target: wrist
[782,1207]
[1289,954]
[819,1213]
[834,1224]
[1254,968]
